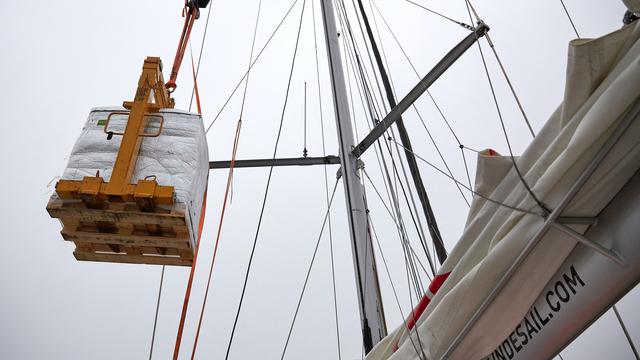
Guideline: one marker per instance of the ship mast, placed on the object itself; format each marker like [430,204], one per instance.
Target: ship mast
[371,312]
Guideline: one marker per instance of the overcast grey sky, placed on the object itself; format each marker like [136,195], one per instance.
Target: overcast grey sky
[61,58]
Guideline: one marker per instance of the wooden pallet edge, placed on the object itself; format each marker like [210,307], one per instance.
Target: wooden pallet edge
[130,259]
[178,208]
[127,240]
[118,216]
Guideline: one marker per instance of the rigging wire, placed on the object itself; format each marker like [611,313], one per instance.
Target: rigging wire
[252,64]
[253,44]
[215,249]
[438,108]
[435,103]
[407,269]
[504,129]
[513,91]
[393,288]
[394,220]
[566,11]
[515,208]
[417,281]
[195,82]
[626,332]
[432,225]
[155,320]
[412,273]
[343,20]
[204,36]
[466,167]
[369,56]
[502,68]
[372,101]
[375,114]
[306,279]
[229,183]
[440,153]
[392,86]
[466,26]
[399,222]
[371,109]
[419,287]
[266,192]
[326,179]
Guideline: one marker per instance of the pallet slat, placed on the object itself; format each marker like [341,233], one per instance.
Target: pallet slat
[128,259]
[127,240]
[122,233]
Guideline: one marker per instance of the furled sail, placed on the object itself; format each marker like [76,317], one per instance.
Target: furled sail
[602,89]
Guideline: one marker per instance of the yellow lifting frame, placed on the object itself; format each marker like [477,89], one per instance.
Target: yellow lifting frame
[150,97]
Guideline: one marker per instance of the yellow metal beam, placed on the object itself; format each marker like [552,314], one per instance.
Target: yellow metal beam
[151,96]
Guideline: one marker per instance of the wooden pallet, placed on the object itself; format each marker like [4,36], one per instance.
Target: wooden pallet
[120,232]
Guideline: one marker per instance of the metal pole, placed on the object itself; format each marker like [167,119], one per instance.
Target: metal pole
[406,143]
[369,299]
[250,163]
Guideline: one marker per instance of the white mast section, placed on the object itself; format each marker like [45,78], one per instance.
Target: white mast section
[371,312]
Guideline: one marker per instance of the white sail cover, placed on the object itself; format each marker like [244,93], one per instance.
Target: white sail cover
[603,82]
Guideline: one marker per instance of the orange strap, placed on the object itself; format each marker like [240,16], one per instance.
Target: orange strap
[187,294]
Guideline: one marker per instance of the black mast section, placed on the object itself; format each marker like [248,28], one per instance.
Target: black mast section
[408,149]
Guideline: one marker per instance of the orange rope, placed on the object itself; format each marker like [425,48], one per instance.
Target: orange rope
[215,249]
[187,294]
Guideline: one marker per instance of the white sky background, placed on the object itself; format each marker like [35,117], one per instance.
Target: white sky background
[60,58]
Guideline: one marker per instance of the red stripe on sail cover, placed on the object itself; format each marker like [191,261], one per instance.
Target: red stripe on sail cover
[436,283]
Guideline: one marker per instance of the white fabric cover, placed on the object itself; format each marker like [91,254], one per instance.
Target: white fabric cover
[178,157]
[603,80]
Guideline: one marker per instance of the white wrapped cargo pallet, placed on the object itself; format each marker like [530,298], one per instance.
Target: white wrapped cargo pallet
[178,157]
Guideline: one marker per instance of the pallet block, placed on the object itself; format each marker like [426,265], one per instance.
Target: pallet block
[121,232]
